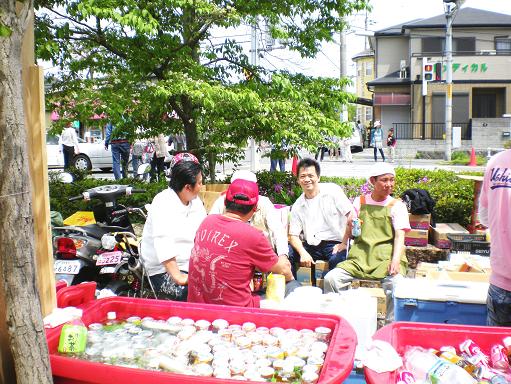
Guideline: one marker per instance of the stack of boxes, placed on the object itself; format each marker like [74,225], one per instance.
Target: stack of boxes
[418,236]
[313,275]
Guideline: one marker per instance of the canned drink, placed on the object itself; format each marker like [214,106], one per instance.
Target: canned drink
[323,333]
[507,344]
[477,357]
[405,377]
[498,357]
[258,281]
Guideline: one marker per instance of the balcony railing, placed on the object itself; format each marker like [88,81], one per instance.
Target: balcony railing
[429,131]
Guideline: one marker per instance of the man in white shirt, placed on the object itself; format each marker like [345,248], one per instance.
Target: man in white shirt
[169,231]
[266,218]
[69,141]
[320,214]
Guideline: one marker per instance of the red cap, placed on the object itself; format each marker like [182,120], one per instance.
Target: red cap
[243,192]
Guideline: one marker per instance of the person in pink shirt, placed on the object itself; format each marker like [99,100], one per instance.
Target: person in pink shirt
[378,251]
[227,251]
[495,213]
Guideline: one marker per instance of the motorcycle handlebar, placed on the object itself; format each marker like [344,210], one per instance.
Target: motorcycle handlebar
[120,212]
[75,198]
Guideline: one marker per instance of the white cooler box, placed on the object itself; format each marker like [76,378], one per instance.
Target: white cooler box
[440,301]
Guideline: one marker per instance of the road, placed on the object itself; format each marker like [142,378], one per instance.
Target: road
[359,168]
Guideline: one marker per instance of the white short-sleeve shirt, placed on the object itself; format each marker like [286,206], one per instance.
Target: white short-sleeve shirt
[169,231]
[323,217]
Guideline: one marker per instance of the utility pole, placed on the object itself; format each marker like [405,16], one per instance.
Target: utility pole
[450,8]
[343,70]
[254,156]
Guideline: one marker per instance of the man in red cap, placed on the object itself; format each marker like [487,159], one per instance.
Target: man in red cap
[227,251]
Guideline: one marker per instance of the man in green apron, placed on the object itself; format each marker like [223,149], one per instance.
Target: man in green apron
[379,251]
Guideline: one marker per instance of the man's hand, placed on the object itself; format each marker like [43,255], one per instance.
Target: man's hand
[182,279]
[394,266]
[339,247]
[306,260]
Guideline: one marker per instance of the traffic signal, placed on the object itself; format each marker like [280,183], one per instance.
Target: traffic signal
[438,72]
[427,71]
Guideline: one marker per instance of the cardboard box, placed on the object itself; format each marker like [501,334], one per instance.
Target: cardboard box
[208,198]
[320,283]
[458,276]
[419,221]
[320,269]
[440,232]
[304,275]
[381,300]
[417,238]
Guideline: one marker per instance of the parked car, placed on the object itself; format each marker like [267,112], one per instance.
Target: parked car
[92,155]
[356,140]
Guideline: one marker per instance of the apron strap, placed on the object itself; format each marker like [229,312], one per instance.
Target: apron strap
[362,199]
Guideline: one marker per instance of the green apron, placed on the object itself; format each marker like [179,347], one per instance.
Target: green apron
[371,253]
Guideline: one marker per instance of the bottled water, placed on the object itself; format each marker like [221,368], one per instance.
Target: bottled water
[428,367]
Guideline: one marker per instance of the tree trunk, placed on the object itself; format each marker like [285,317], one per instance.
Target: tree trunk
[26,337]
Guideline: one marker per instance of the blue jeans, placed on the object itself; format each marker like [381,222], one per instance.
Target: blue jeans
[120,156]
[498,303]
[135,162]
[281,163]
[322,251]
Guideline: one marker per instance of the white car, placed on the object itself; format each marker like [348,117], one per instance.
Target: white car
[92,155]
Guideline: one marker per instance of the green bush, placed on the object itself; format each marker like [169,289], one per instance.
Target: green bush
[463,158]
[453,196]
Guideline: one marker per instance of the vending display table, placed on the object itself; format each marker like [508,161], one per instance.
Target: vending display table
[426,335]
[337,365]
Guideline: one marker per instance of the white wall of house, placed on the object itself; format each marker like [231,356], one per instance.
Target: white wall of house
[390,50]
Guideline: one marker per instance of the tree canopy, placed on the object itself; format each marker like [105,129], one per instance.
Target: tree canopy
[153,65]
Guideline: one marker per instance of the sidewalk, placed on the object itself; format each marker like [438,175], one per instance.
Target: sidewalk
[362,161]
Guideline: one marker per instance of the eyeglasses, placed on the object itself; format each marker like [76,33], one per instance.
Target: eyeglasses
[183,156]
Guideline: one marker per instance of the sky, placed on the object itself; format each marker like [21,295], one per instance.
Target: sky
[385,13]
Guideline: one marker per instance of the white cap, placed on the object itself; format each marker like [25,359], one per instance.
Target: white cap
[377,123]
[111,315]
[379,169]
[244,175]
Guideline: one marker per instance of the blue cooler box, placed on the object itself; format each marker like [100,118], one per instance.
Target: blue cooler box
[440,301]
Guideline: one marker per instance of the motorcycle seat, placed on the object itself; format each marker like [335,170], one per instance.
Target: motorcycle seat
[97,230]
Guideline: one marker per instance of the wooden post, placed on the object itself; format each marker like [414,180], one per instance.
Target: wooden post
[33,98]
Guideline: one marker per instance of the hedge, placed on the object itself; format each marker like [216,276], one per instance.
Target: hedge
[454,196]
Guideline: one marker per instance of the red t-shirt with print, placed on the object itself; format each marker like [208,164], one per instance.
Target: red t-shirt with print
[223,260]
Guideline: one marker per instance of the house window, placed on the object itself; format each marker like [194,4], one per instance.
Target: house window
[369,113]
[359,70]
[359,113]
[460,45]
[464,44]
[432,44]
[369,69]
[503,45]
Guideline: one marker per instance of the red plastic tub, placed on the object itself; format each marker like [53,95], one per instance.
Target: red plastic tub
[428,335]
[338,361]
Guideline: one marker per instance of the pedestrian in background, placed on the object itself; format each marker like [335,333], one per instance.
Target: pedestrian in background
[377,140]
[120,147]
[137,150]
[391,144]
[335,150]
[158,159]
[278,155]
[69,141]
[494,213]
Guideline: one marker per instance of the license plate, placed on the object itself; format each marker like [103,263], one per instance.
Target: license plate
[106,270]
[109,258]
[71,267]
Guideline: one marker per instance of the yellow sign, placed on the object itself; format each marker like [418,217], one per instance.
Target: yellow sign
[80,219]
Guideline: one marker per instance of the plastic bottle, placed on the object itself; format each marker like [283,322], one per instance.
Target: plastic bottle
[73,336]
[355,228]
[457,360]
[428,367]
[405,377]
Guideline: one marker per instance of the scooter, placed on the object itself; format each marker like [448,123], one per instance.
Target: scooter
[79,251]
